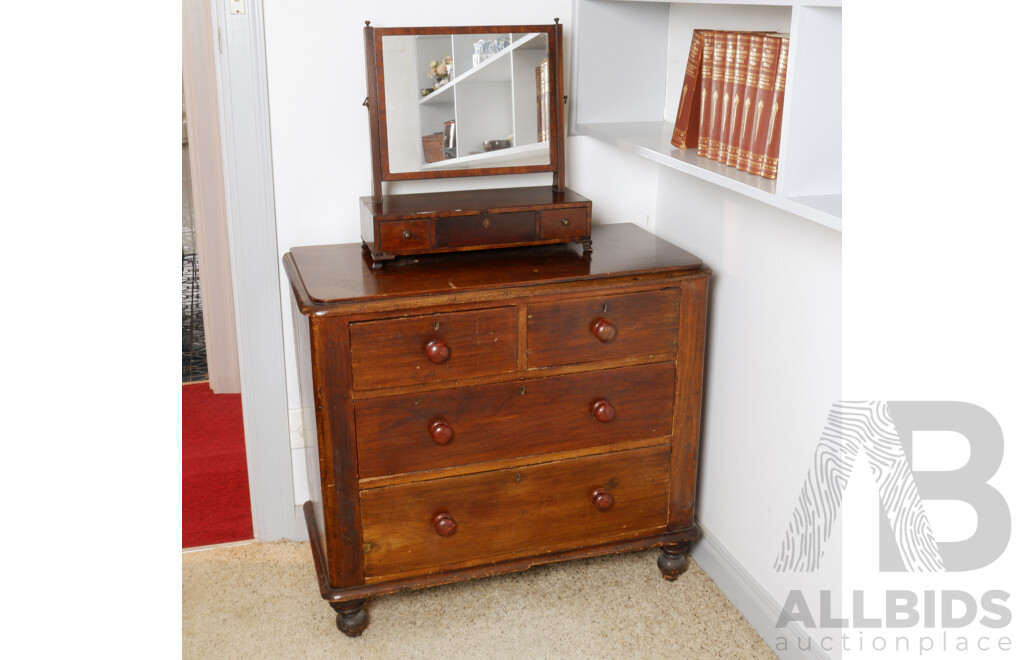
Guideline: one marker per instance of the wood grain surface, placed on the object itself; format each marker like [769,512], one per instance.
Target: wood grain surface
[516,512]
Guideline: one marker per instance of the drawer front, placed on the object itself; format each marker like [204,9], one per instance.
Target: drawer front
[431,430]
[401,235]
[518,512]
[432,348]
[564,223]
[487,229]
[602,328]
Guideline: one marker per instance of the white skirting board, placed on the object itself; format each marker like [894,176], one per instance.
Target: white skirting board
[751,599]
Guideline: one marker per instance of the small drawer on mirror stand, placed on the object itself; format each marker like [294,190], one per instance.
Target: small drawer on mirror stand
[401,235]
[564,223]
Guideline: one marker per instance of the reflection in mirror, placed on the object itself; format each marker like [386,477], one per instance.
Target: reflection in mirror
[466,101]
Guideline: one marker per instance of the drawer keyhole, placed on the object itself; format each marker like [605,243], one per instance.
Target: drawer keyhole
[486,223]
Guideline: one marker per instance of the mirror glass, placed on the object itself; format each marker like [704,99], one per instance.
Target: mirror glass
[465,101]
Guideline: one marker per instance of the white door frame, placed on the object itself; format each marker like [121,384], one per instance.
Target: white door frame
[240,58]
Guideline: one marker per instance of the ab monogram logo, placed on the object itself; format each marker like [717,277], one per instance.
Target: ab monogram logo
[882,431]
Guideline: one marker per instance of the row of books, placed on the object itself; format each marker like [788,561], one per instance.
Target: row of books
[730,108]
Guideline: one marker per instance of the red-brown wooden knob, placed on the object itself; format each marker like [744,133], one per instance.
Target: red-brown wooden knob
[444,525]
[603,411]
[441,432]
[603,329]
[436,351]
[602,499]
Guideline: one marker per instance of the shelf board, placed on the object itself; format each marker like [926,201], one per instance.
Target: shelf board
[755,3]
[512,153]
[439,95]
[652,140]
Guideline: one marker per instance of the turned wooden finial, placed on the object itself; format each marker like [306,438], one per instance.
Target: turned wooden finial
[556,19]
[367,23]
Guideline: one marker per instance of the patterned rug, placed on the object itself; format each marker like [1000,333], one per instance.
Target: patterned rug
[193,341]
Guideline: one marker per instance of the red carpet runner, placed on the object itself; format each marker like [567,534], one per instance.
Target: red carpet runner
[214,482]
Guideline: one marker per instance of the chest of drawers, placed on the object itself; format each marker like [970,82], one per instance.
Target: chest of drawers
[484,412]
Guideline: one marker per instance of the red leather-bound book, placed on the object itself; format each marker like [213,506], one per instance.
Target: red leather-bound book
[762,102]
[747,101]
[706,66]
[687,126]
[770,163]
[718,105]
[730,135]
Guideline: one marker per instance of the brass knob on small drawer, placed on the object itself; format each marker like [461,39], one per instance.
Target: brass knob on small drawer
[444,525]
[436,351]
[602,499]
[603,411]
[565,222]
[406,234]
[604,330]
[441,432]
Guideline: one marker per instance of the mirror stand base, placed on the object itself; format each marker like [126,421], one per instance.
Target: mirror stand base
[456,221]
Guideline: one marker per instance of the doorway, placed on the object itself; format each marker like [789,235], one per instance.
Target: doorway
[215,505]
[193,342]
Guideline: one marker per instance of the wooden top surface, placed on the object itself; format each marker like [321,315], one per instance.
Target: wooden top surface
[332,274]
[458,201]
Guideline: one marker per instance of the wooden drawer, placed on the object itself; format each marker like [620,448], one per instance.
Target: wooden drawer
[602,328]
[519,512]
[564,223]
[431,430]
[401,235]
[432,348]
[486,229]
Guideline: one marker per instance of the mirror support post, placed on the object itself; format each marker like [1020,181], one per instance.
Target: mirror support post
[558,111]
[371,103]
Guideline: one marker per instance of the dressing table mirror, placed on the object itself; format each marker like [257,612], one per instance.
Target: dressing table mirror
[467,101]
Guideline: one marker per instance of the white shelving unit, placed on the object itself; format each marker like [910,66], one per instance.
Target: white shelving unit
[628,62]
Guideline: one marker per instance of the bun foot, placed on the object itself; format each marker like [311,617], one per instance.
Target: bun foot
[673,562]
[352,618]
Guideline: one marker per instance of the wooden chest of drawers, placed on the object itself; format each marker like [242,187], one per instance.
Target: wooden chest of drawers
[479,413]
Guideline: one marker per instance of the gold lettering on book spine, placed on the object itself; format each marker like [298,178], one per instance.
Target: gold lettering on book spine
[757,119]
[732,122]
[703,100]
[771,125]
[725,111]
[714,106]
[680,115]
[743,124]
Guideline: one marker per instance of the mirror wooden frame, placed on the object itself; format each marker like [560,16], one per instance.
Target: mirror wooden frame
[408,225]
[375,103]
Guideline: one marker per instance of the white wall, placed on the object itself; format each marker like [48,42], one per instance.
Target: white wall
[774,367]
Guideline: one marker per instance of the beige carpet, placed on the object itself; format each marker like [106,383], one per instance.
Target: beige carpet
[261,601]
